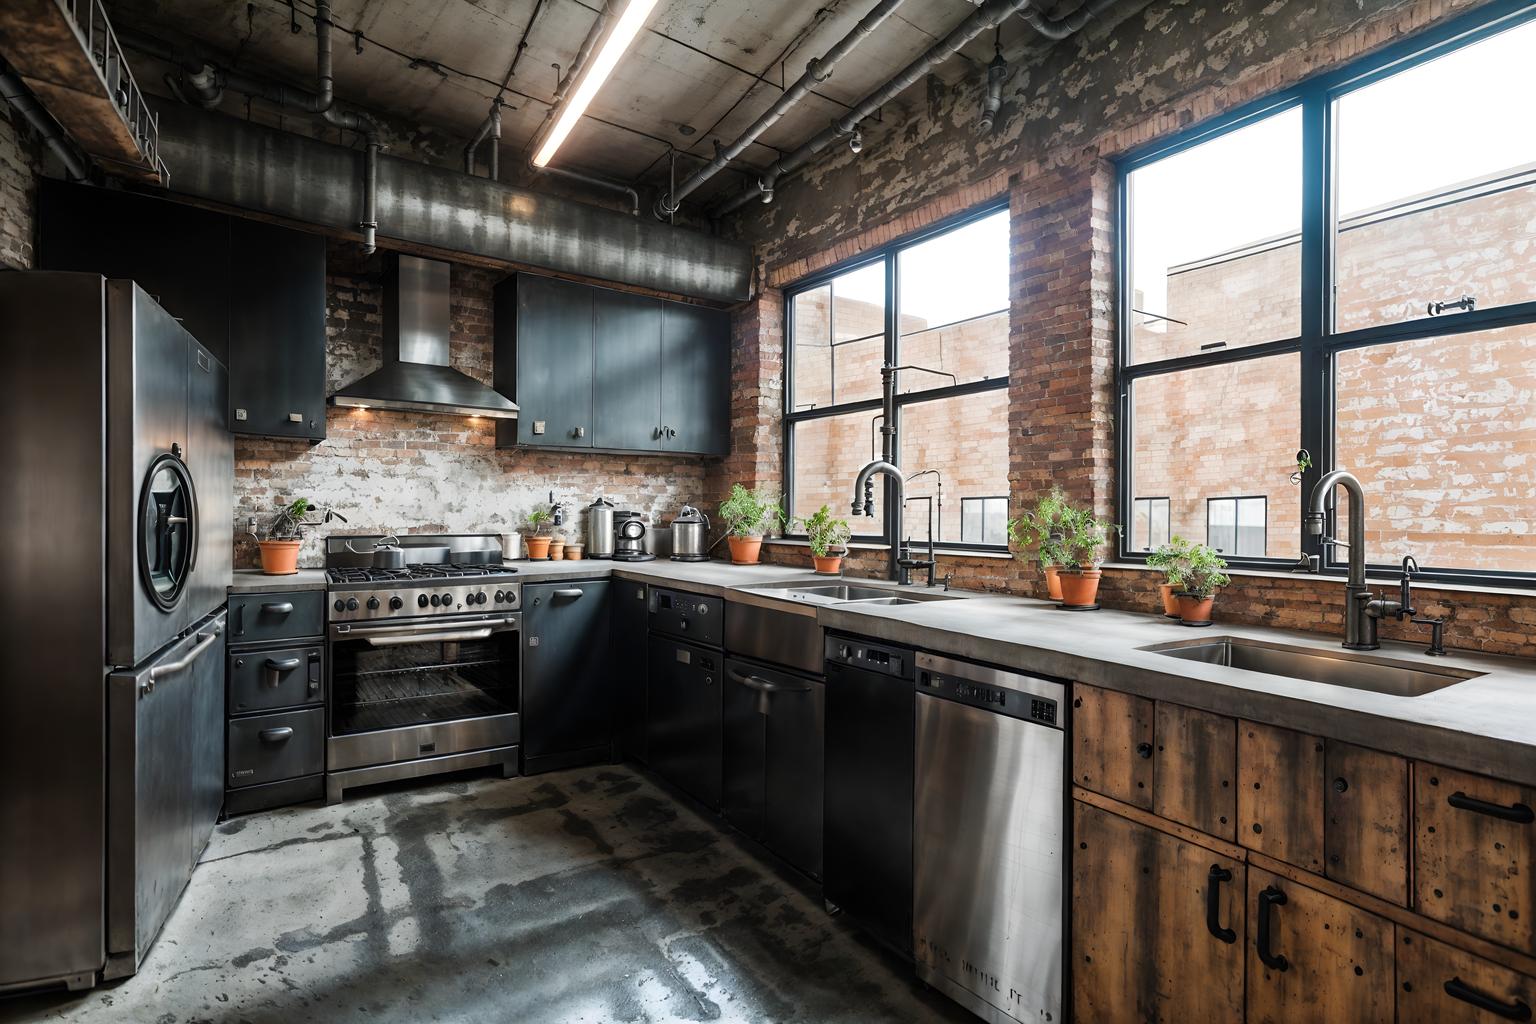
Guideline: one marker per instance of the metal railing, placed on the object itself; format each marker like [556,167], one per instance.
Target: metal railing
[100,42]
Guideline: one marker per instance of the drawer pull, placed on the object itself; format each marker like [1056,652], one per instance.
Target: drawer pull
[281,734]
[277,608]
[1268,900]
[572,592]
[1458,989]
[1143,750]
[1218,875]
[283,665]
[1518,813]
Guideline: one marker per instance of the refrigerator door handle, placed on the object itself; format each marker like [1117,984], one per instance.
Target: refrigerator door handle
[171,668]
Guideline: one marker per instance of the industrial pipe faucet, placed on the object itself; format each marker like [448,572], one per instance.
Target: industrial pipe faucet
[1359,628]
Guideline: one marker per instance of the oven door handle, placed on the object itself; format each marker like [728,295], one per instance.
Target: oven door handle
[421,629]
[418,638]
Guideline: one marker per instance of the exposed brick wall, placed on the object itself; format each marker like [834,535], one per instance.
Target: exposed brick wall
[19,167]
[756,458]
[422,473]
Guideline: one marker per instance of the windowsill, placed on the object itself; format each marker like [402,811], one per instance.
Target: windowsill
[940,554]
[1420,583]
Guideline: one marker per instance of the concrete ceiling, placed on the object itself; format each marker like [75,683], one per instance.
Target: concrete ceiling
[712,66]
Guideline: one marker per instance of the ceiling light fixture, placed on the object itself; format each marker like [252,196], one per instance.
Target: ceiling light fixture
[629,25]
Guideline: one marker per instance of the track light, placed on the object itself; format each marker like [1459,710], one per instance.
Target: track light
[624,31]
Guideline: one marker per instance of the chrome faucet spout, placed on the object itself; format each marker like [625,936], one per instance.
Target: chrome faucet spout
[866,507]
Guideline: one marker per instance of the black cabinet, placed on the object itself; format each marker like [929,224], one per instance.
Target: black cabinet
[567,697]
[252,293]
[277,383]
[613,371]
[773,722]
[630,618]
[683,717]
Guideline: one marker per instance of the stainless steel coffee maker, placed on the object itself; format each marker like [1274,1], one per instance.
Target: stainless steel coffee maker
[600,538]
[629,538]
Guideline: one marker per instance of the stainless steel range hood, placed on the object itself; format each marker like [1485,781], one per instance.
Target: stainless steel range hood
[416,375]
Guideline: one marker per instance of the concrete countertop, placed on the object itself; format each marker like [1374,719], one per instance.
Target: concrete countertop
[254,580]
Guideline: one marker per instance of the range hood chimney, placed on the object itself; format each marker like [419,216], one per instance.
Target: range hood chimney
[416,375]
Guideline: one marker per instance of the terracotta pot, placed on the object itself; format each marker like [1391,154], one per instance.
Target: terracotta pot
[827,565]
[744,550]
[279,557]
[573,552]
[538,547]
[1170,600]
[1053,582]
[556,550]
[1195,609]
[1079,586]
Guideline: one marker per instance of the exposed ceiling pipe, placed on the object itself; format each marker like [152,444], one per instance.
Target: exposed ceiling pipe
[816,71]
[23,102]
[1061,28]
[599,25]
[594,180]
[997,73]
[490,128]
[204,83]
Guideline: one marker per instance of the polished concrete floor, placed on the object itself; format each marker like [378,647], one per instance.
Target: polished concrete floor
[582,896]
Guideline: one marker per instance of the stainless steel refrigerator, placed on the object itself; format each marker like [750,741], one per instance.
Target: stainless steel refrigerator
[119,472]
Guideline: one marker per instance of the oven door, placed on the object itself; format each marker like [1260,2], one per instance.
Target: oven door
[413,690]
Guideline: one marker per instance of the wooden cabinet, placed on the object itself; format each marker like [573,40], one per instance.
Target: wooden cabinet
[1280,794]
[1112,744]
[1194,767]
[1157,924]
[1366,836]
[1437,983]
[597,368]
[1312,957]
[1475,854]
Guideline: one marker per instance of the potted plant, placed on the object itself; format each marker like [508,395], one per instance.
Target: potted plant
[1039,528]
[537,542]
[285,534]
[1083,536]
[747,515]
[1167,559]
[829,539]
[1200,575]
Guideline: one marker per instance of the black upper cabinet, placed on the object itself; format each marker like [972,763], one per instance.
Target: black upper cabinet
[613,371]
[252,293]
[276,331]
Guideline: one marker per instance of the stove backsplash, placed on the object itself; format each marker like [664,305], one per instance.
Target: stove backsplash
[423,473]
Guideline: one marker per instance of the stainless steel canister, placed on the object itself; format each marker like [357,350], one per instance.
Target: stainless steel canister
[600,529]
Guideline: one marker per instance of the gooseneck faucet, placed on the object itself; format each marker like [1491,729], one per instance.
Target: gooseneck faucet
[1359,628]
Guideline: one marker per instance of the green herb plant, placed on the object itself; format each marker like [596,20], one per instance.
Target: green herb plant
[539,519]
[751,513]
[825,532]
[291,520]
[1200,572]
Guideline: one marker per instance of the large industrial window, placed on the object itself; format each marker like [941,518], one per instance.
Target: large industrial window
[1317,283]
[935,305]
[1149,524]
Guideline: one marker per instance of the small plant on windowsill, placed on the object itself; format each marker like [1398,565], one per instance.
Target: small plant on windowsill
[1167,559]
[829,540]
[1199,574]
[746,516]
[1040,529]
[1083,536]
[539,520]
[285,534]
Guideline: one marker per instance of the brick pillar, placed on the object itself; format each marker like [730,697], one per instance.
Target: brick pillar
[757,400]
[1062,335]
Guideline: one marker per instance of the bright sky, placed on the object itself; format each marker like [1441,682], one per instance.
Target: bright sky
[1462,116]
[957,275]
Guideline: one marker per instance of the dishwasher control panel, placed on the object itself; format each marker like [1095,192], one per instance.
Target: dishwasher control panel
[1005,693]
[890,661]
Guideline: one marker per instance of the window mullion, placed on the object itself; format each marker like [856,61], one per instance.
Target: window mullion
[1316,298]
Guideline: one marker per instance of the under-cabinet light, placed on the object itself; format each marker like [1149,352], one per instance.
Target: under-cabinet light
[629,25]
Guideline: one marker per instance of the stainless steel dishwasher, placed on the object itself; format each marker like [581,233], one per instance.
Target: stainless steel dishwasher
[989,857]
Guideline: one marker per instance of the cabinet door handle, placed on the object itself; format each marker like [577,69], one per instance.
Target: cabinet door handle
[1517,1010]
[285,665]
[1143,750]
[1218,875]
[277,608]
[571,592]
[1268,900]
[1518,813]
[278,735]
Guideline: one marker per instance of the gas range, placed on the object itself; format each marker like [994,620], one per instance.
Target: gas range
[472,580]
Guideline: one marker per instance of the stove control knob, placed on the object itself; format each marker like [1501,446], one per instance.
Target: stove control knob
[395,603]
[480,597]
[421,601]
[436,600]
[447,600]
[845,653]
[373,604]
[500,596]
[351,604]
[340,605]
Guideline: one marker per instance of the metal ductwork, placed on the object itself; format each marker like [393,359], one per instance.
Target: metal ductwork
[24,103]
[997,73]
[816,72]
[232,162]
[416,376]
[1061,28]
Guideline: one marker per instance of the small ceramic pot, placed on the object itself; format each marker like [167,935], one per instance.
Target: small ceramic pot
[1079,587]
[1195,610]
[745,550]
[827,565]
[538,547]
[1053,582]
[556,550]
[573,552]
[1170,600]
[279,557]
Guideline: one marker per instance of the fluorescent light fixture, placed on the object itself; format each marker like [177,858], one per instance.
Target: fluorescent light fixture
[629,25]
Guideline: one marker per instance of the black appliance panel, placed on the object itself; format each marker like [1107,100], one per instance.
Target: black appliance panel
[692,617]
[567,678]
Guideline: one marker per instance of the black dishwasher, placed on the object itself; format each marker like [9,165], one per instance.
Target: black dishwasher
[567,700]
[871,701]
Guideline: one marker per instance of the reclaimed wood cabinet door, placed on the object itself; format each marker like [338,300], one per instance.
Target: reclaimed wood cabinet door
[1112,744]
[1437,983]
[1194,768]
[1157,923]
[1280,794]
[1475,854]
[1314,958]
[1366,835]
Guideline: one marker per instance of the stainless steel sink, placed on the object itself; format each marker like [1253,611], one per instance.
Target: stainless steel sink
[848,593]
[1338,668]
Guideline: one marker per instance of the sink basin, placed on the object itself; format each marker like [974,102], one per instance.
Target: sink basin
[849,593]
[1338,668]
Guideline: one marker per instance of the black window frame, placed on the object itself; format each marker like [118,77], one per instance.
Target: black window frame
[1130,523]
[1234,499]
[1318,343]
[983,498]
[873,406]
